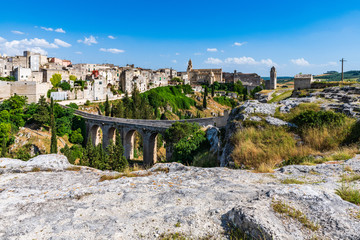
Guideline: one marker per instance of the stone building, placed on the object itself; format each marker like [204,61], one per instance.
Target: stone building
[158,79]
[131,76]
[22,74]
[271,84]
[302,81]
[248,80]
[203,76]
[32,90]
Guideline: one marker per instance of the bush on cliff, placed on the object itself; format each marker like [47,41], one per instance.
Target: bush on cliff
[185,139]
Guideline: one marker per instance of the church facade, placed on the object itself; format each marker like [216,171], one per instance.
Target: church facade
[203,76]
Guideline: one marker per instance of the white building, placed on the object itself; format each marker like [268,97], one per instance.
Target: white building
[23,74]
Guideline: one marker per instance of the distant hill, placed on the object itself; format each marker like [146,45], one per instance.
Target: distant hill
[335,76]
[284,79]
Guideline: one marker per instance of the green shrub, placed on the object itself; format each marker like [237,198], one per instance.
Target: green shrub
[349,194]
[225,101]
[311,118]
[73,105]
[76,137]
[65,86]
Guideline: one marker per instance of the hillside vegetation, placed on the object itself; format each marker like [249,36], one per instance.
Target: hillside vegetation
[318,133]
[335,76]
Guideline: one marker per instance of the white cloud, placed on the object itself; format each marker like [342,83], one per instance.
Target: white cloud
[215,61]
[16,47]
[88,41]
[268,62]
[300,62]
[332,64]
[174,61]
[212,50]
[61,43]
[111,37]
[47,29]
[241,60]
[17,32]
[78,52]
[60,30]
[177,54]
[238,44]
[112,50]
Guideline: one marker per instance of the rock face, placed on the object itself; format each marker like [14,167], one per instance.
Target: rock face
[195,202]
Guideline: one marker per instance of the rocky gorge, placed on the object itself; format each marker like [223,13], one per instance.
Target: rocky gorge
[48,198]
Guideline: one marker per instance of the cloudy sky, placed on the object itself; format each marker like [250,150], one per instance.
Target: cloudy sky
[249,36]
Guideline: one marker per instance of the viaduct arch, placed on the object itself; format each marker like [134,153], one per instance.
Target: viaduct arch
[149,129]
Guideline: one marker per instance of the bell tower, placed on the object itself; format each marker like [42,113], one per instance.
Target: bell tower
[273,78]
[190,67]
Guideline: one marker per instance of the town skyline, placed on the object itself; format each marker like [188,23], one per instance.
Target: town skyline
[291,39]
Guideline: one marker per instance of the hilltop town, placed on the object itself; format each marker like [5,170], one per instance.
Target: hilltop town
[34,75]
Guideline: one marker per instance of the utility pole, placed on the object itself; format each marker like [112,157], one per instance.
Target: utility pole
[342,69]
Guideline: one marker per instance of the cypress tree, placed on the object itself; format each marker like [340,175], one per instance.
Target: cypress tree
[107,106]
[212,90]
[204,102]
[53,144]
[3,147]
[121,162]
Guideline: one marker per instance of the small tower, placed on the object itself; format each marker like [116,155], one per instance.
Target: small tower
[273,78]
[189,66]
[212,78]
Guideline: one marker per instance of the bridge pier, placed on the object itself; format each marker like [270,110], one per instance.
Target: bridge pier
[149,148]
[128,143]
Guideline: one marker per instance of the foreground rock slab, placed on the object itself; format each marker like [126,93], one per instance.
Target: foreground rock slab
[71,203]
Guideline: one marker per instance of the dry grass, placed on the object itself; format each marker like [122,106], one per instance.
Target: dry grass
[326,138]
[342,154]
[291,181]
[285,209]
[73,168]
[161,169]
[35,169]
[265,168]
[350,178]
[128,172]
[347,168]
[263,150]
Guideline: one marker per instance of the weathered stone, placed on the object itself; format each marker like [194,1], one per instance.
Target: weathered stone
[195,202]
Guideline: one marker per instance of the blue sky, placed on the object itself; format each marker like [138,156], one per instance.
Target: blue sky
[249,36]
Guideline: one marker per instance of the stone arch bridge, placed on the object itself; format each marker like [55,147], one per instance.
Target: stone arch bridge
[149,129]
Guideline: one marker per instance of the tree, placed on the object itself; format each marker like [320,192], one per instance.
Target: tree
[206,91]
[204,102]
[65,86]
[136,102]
[76,137]
[42,115]
[107,106]
[72,78]
[55,80]
[53,144]
[212,90]
[3,148]
[116,158]
[185,139]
